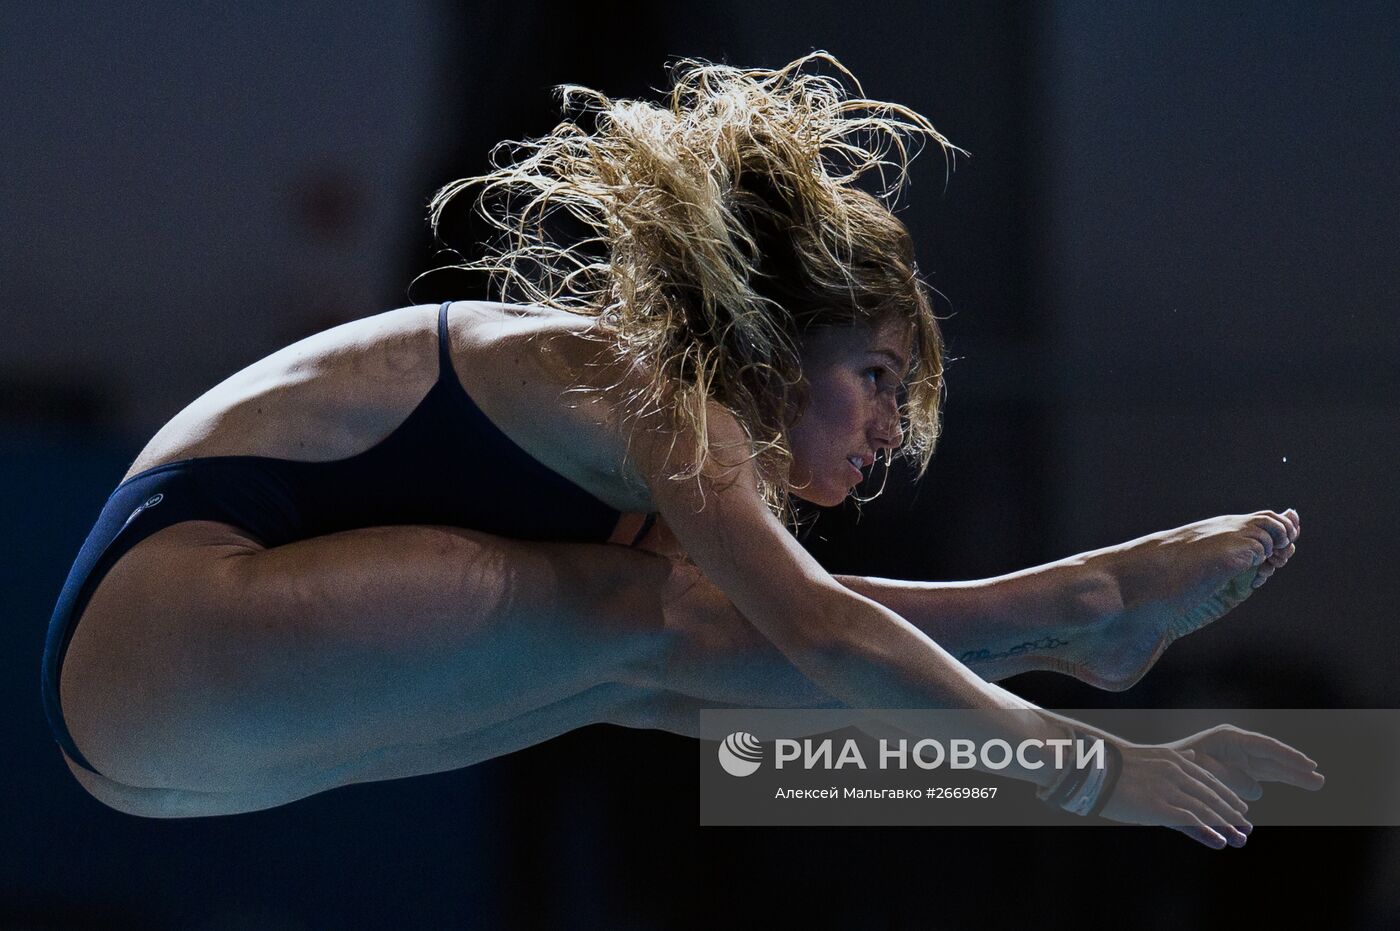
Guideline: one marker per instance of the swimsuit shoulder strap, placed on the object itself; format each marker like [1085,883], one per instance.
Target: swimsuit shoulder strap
[646,527]
[445,369]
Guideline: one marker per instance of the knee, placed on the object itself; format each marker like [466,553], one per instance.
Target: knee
[622,578]
[622,589]
[693,633]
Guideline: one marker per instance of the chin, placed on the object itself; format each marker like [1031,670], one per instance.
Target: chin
[826,489]
[822,498]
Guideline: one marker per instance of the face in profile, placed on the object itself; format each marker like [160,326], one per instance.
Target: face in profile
[853,379]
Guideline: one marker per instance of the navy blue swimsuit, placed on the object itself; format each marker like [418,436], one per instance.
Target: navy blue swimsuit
[447,464]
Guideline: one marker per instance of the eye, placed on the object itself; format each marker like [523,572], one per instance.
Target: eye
[880,377]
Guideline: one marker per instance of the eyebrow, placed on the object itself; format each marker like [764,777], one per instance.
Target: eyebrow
[900,363]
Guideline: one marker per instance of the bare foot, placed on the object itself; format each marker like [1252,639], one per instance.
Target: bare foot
[1174,583]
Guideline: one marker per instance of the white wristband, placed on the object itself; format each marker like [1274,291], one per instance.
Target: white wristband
[1083,800]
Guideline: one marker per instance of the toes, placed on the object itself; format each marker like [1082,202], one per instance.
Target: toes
[1272,565]
[1276,527]
[1257,554]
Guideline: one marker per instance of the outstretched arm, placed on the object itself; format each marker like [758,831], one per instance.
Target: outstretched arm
[867,656]
[997,628]
[1035,619]
[1104,616]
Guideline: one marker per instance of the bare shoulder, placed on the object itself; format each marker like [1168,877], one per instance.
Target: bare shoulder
[551,376]
[554,382]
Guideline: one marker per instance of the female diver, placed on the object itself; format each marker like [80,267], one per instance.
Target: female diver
[384,550]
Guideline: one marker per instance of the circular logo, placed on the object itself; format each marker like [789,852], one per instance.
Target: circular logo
[150,502]
[740,754]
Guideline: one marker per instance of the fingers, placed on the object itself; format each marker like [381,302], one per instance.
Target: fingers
[1244,785]
[1206,791]
[1263,758]
[1219,798]
[1240,781]
[1188,823]
[1205,814]
[1271,760]
[1222,805]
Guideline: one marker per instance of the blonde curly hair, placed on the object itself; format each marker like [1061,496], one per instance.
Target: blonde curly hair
[718,229]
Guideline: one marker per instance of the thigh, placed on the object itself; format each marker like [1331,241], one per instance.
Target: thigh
[607,703]
[205,663]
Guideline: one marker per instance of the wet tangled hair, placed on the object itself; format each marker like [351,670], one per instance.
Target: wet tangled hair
[718,230]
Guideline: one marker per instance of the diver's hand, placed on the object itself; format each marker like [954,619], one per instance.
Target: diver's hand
[1243,759]
[1161,785]
[1198,785]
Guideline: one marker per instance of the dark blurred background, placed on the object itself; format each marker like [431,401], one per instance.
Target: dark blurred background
[1170,277]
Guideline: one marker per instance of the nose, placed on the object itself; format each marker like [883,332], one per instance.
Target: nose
[887,433]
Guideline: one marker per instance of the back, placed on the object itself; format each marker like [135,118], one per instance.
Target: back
[338,393]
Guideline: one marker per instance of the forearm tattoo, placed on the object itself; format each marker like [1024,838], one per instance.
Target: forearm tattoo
[1020,649]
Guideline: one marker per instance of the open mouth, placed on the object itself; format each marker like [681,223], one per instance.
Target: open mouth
[856,463]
